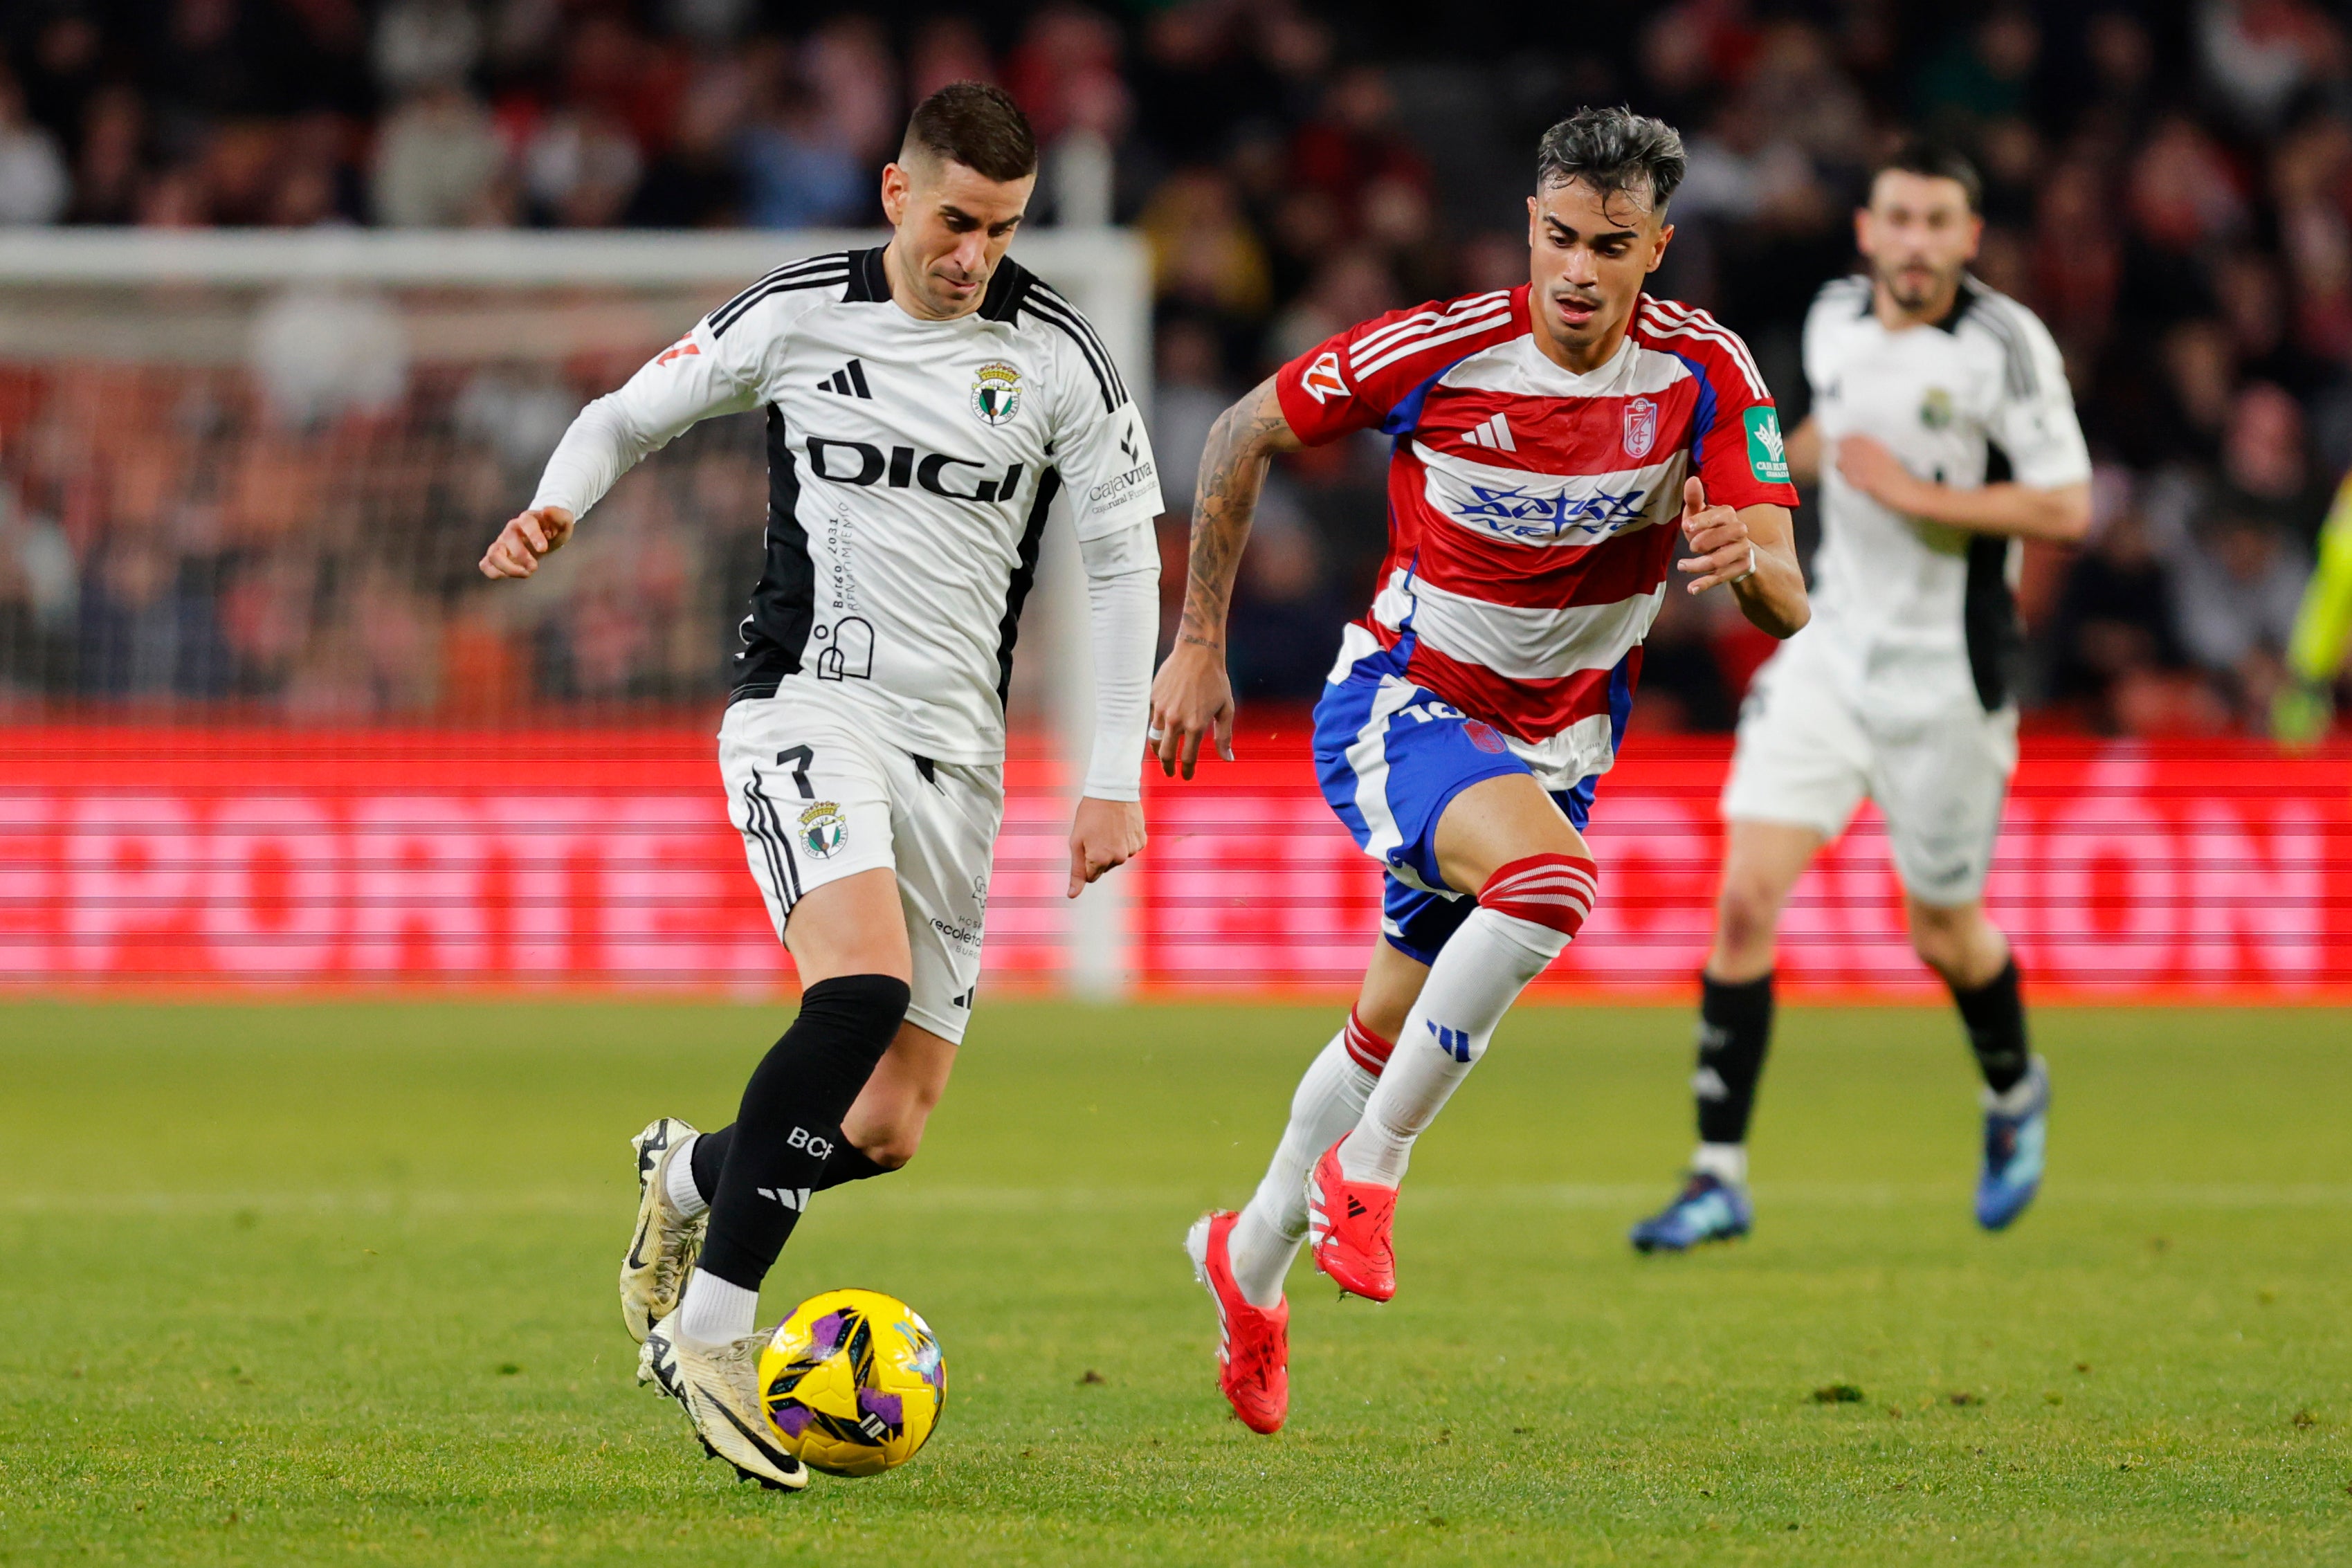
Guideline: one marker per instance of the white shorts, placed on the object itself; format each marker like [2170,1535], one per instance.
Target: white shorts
[1808,751]
[817,798]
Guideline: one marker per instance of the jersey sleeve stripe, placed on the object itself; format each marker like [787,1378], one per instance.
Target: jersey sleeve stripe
[1076,322]
[1061,301]
[1114,394]
[719,326]
[836,262]
[791,269]
[2018,374]
[1407,348]
[1706,327]
[1423,320]
[1850,291]
[1666,326]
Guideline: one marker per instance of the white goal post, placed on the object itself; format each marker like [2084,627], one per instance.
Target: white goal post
[187,300]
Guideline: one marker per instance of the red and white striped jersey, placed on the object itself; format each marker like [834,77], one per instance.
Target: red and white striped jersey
[1532,512]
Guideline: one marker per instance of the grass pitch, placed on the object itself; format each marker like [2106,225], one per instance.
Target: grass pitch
[334,1283]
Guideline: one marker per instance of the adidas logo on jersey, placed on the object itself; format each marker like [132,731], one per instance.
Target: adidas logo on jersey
[849,381]
[1494,434]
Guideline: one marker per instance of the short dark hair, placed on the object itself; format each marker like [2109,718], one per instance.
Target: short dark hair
[1614,149]
[1933,160]
[977,125]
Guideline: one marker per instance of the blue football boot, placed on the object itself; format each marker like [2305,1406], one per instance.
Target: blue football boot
[2013,1144]
[1708,1209]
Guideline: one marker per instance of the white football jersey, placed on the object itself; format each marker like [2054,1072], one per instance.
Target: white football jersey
[910,468]
[1890,588]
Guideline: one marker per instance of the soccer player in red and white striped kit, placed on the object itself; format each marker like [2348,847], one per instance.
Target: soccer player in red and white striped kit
[1552,444]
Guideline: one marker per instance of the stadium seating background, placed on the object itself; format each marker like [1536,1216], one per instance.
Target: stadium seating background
[2170,185]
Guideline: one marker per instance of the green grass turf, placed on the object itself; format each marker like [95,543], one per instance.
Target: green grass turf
[334,1283]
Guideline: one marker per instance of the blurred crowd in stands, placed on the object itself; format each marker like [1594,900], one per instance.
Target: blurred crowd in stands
[2170,186]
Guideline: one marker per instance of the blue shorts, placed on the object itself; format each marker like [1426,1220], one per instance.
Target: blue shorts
[1391,756]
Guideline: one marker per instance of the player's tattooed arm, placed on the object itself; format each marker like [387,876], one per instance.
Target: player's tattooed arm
[1233,471]
[1191,699]
[1751,550]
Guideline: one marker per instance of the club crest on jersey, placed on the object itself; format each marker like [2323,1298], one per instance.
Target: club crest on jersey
[996,393]
[1322,381]
[1935,408]
[1641,427]
[823,829]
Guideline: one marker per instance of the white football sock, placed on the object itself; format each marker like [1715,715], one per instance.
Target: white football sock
[683,1194]
[1330,1100]
[715,1311]
[1478,975]
[1724,1162]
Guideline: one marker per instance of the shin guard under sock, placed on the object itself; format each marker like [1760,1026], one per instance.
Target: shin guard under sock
[790,1123]
[1735,1030]
[1995,1015]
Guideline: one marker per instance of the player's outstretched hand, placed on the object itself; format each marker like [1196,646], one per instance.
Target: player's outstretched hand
[1106,832]
[1721,550]
[527,536]
[1191,700]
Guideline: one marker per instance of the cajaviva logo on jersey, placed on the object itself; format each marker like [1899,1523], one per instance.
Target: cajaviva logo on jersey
[862,463]
[1768,454]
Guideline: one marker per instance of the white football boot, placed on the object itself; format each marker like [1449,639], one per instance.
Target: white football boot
[719,1387]
[662,1253]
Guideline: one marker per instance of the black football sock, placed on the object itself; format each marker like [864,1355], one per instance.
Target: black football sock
[705,1159]
[1734,1029]
[790,1123]
[1995,1015]
[847,1162]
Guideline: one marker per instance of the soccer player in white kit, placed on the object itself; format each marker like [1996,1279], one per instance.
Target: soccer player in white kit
[926,402]
[1902,688]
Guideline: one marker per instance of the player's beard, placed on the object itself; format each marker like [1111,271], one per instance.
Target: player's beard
[1915,287]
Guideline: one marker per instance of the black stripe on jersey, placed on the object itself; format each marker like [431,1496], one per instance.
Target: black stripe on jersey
[826,272]
[791,269]
[1042,292]
[784,606]
[1997,315]
[870,281]
[1042,305]
[1025,576]
[2018,374]
[1989,618]
[1854,290]
[766,829]
[1996,643]
[1008,288]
